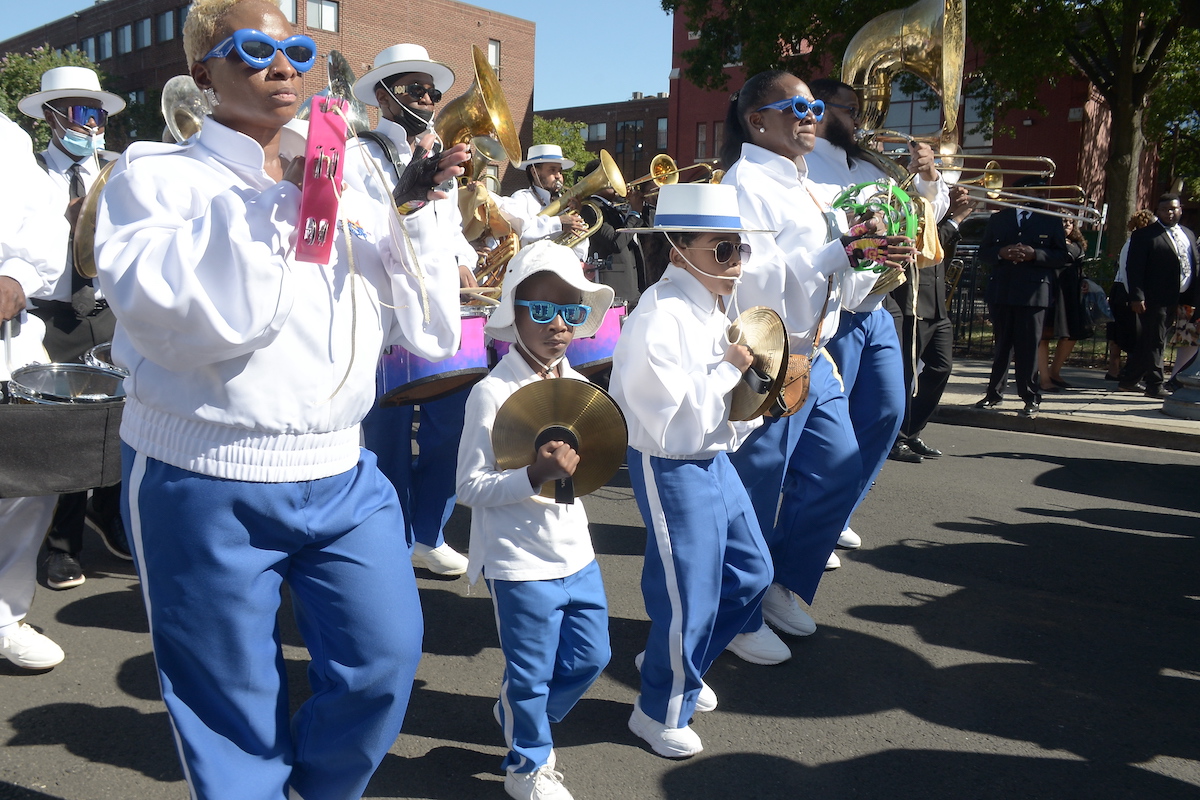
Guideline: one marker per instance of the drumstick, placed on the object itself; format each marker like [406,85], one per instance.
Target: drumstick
[485,294]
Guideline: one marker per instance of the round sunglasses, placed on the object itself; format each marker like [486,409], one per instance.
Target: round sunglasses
[258,50]
[418,90]
[724,251]
[543,311]
[799,106]
[855,112]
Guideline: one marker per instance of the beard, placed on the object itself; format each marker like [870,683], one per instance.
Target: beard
[840,135]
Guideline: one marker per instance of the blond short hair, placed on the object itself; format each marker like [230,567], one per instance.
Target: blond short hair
[203,21]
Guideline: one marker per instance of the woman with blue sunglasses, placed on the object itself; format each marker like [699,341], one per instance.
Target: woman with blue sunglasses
[805,271]
[251,373]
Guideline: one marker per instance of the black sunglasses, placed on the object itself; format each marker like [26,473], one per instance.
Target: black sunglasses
[724,251]
[418,90]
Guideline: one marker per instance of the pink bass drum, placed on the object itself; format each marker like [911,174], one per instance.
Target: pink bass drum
[406,379]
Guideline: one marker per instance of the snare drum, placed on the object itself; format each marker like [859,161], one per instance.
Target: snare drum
[589,356]
[101,356]
[66,384]
[404,378]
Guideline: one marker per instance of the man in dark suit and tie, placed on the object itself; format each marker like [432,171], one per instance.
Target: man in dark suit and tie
[1024,249]
[1160,275]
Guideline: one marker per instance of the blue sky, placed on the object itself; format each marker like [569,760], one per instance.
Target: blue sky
[579,60]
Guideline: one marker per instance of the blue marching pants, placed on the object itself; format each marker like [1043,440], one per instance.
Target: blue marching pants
[212,556]
[706,570]
[867,352]
[820,488]
[554,636]
[425,483]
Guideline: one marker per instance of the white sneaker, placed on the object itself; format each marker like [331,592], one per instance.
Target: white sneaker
[705,701]
[760,647]
[834,562]
[850,540]
[29,649]
[781,608]
[440,560]
[667,742]
[541,784]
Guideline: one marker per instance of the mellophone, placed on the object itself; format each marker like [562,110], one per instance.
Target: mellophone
[403,378]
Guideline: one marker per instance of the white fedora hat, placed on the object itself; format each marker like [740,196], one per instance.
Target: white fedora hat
[397,60]
[696,208]
[69,82]
[546,256]
[545,154]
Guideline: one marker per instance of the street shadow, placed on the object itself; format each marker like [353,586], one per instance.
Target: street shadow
[10,791]
[116,610]
[448,773]
[907,774]
[456,625]
[618,540]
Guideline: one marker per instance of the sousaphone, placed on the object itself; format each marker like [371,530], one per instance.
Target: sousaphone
[481,111]
[577,412]
[184,107]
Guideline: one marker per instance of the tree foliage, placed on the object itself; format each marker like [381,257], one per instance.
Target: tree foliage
[568,136]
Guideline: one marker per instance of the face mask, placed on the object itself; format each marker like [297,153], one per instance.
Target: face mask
[82,144]
[413,120]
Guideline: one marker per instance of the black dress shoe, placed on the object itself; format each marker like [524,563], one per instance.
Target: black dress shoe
[112,533]
[1132,388]
[63,570]
[1158,392]
[989,402]
[920,448]
[1108,376]
[1029,411]
[902,452]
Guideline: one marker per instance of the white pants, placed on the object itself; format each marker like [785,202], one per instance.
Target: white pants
[23,524]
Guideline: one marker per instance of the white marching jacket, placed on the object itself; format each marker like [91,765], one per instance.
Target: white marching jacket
[245,363]
[526,205]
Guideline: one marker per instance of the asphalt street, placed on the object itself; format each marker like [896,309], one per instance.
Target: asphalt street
[1023,621]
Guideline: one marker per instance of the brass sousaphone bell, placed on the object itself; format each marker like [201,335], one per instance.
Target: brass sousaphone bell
[562,409]
[482,111]
[761,329]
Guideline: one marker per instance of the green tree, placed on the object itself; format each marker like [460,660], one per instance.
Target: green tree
[1126,48]
[21,76]
[568,136]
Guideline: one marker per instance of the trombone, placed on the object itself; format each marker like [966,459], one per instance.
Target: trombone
[1075,208]
[664,171]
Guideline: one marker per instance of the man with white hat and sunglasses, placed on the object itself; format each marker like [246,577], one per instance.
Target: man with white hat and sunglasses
[544,167]
[77,317]
[407,85]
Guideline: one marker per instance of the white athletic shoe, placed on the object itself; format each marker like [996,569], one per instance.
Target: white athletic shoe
[29,649]
[440,560]
[760,647]
[850,540]
[834,562]
[667,742]
[541,784]
[705,701]
[781,608]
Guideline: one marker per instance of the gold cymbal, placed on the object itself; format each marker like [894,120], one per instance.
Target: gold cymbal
[83,243]
[584,410]
[761,329]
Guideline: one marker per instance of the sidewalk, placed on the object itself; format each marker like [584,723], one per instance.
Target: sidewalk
[1094,410]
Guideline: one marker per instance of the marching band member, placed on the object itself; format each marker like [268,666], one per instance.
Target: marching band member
[544,167]
[77,317]
[535,554]
[32,231]
[805,273]
[707,565]
[249,375]
[406,86]
[865,346]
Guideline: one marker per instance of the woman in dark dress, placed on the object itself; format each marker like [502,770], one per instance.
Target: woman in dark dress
[1067,320]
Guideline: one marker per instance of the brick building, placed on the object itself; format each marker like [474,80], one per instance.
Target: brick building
[632,131]
[140,44]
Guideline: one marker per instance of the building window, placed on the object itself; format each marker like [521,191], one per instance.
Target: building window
[718,137]
[596,132]
[143,33]
[494,55]
[183,15]
[166,26]
[323,14]
[701,140]
[124,39]
[288,7]
[136,96]
[104,46]
[88,46]
[662,133]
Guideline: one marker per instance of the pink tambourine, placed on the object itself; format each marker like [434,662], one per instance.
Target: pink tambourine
[323,156]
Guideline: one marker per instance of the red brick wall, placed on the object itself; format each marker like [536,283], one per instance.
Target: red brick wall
[622,148]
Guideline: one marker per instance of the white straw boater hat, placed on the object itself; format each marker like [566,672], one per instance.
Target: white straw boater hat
[397,60]
[63,82]
[545,256]
[546,154]
[696,208]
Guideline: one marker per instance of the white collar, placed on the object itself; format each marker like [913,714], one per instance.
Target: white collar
[784,170]
[396,133]
[695,291]
[233,147]
[61,162]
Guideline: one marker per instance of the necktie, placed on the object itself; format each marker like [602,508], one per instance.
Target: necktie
[83,296]
[1022,217]
[1183,250]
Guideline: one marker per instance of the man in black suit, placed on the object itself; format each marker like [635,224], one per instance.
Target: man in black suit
[1160,274]
[1024,249]
[926,334]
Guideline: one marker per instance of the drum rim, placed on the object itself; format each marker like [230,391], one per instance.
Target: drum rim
[26,392]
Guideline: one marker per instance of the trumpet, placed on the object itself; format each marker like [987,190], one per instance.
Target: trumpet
[605,176]
[664,171]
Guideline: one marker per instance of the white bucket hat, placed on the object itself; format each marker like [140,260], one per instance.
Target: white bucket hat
[545,154]
[545,256]
[397,60]
[69,82]
[696,208]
